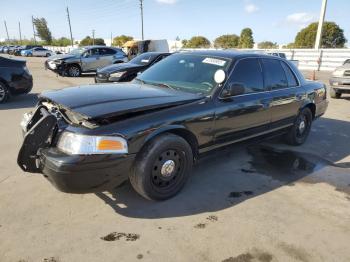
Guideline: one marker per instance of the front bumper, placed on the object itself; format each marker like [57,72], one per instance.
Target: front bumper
[340,84]
[84,174]
[68,173]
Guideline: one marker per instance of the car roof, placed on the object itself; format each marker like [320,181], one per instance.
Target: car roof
[156,53]
[99,46]
[232,54]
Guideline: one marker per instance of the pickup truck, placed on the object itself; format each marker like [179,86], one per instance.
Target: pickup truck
[151,130]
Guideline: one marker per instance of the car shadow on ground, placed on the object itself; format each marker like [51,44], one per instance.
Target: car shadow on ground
[237,173]
[21,101]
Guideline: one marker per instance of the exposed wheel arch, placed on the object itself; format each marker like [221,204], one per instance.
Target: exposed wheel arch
[312,108]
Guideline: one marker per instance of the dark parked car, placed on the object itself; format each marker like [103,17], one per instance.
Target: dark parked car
[128,71]
[151,130]
[85,59]
[340,81]
[15,78]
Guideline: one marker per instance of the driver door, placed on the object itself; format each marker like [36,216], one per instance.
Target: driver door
[246,115]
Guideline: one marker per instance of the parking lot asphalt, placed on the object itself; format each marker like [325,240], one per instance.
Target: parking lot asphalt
[255,201]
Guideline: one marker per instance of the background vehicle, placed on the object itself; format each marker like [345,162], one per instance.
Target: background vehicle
[37,51]
[153,128]
[85,59]
[128,71]
[134,48]
[15,78]
[18,50]
[340,81]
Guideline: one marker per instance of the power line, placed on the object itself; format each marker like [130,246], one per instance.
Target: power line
[70,27]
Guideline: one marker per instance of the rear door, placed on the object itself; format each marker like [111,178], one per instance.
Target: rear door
[286,93]
[246,115]
[106,56]
[91,59]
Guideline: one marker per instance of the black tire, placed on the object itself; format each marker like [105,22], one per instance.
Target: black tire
[73,71]
[300,130]
[334,94]
[4,93]
[162,168]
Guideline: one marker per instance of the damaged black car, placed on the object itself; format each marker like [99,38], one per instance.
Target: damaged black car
[92,138]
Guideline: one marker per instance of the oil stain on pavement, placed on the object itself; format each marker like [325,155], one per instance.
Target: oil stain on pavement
[117,236]
[289,166]
[255,255]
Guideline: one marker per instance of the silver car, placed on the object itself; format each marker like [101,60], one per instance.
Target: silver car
[85,59]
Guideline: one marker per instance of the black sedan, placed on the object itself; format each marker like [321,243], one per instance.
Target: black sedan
[151,130]
[15,78]
[126,72]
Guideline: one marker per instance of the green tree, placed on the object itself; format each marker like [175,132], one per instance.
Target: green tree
[121,40]
[63,41]
[246,39]
[267,45]
[197,42]
[43,30]
[289,46]
[332,36]
[226,41]
[89,41]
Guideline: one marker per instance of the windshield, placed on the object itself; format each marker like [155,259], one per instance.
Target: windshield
[186,72]
[143,59]
[77,51]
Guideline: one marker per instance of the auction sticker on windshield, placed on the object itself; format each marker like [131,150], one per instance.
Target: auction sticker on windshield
[214,61]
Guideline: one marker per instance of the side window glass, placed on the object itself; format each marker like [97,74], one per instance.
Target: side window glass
[292,81]
[94,52]
[275,78]
[248,74]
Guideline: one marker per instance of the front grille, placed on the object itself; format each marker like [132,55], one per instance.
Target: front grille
[347,73]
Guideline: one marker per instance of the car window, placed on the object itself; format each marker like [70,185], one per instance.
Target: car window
[143,59]
[248,73]
[159,58]
[275,78]
[94,52]
[107,51]
[292,81]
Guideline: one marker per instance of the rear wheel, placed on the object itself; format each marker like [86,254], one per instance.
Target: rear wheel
[73,71]
[301,128]
[162,167]
[4,93]
[334,94]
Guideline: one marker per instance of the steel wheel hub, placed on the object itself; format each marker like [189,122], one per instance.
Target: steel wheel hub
[74,71]
[302,126]
[168,168]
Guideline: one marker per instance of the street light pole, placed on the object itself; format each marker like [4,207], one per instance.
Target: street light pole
[141,6]
[320,24]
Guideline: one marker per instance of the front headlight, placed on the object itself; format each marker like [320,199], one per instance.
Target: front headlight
[117,74]
[338,73]
[58,62]
[77,144]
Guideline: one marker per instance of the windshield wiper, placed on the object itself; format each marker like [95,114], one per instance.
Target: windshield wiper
[162,85]
[138,79]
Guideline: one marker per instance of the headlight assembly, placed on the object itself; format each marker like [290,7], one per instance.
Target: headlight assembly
[77,144]
[117,74]
[338,73]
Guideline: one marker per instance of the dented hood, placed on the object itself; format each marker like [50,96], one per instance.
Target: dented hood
[99,101]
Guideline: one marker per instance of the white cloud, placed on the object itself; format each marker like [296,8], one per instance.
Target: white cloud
[251,8]
[300,19]
[167,2]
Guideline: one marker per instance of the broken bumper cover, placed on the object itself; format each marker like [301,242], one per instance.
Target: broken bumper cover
[68,173]
[84,174]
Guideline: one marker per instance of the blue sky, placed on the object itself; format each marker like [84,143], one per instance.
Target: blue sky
[273,20]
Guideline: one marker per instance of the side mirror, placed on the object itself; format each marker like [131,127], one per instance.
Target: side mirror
[233,89]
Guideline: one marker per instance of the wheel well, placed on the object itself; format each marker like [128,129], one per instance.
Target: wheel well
[185,134]
[75,64]
[2,81]
[312,107]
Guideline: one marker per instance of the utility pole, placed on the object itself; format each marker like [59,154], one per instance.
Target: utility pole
[320,24]
[7,32]
[111,39]
[141,6]
[93,37]
[70,27]
[20,32]
[33,30]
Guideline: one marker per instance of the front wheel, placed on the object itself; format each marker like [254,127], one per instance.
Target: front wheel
[301,128]
[334,94]
[4,93]
[73,71]
[162,168]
